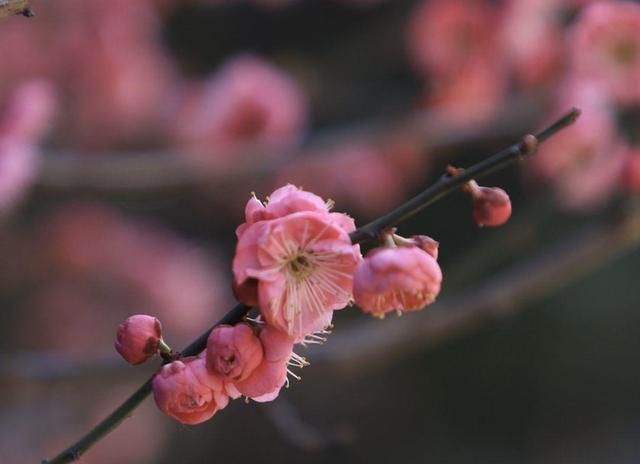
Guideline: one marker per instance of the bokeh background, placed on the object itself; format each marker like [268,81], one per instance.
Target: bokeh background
[133,132]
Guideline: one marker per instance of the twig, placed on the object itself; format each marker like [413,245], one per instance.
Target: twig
[449,183]
[442,187]
[15,7]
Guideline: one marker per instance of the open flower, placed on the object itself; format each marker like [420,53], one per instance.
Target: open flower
[300,267]
[186,391]
[294,259]
[405,278]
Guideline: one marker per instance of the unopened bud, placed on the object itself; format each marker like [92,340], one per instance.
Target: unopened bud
[139,338]
[491,205]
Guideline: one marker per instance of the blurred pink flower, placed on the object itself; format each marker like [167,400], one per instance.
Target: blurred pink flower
[233,353]
[593,133]
[268,378]
[138,338]
[405,278]
[582,164]
[371,179]
[147,265]
[29,111]
[533,39]
[105,60]
[303,264]
[444,35]
[185,391]
[23,119]
[471,97]
[248,102]
[18,165]
[606,47]
[592,184]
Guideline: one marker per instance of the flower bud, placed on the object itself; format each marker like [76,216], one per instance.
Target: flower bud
[138,338]
[491,205]
[185,391]
[233,353]
[267,379]
[406,278]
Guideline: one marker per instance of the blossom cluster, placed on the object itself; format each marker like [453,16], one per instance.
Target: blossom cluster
[296,263]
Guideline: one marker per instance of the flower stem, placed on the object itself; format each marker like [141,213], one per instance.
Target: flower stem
[446,184]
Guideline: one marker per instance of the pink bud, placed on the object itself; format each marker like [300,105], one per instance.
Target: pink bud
[404,279]
[265,382]
[138,338]
[427,244]
[233,353]
[491,205]
[185,391]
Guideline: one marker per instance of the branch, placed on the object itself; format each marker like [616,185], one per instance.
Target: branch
[15,7]
[162,170]
[449,183]
[445,185]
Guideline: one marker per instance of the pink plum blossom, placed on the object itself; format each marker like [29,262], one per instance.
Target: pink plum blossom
[471,97]
[589,186]
[404,278]
[606,47]
[491,205]
[233,352]
[267,379]
[186,391]
[445,34]
[533,39]
[138,338]
[303,264]
[249,101]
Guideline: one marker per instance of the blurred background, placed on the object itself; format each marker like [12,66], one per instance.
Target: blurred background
[133,132]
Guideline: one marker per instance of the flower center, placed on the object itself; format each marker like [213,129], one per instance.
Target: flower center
[299,265]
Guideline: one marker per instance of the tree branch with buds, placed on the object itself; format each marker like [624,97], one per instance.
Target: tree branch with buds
[445,185]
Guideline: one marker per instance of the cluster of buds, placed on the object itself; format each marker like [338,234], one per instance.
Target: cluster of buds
[296,263]
[247,359]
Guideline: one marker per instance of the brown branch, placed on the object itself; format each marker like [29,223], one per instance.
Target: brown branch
[15,7]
